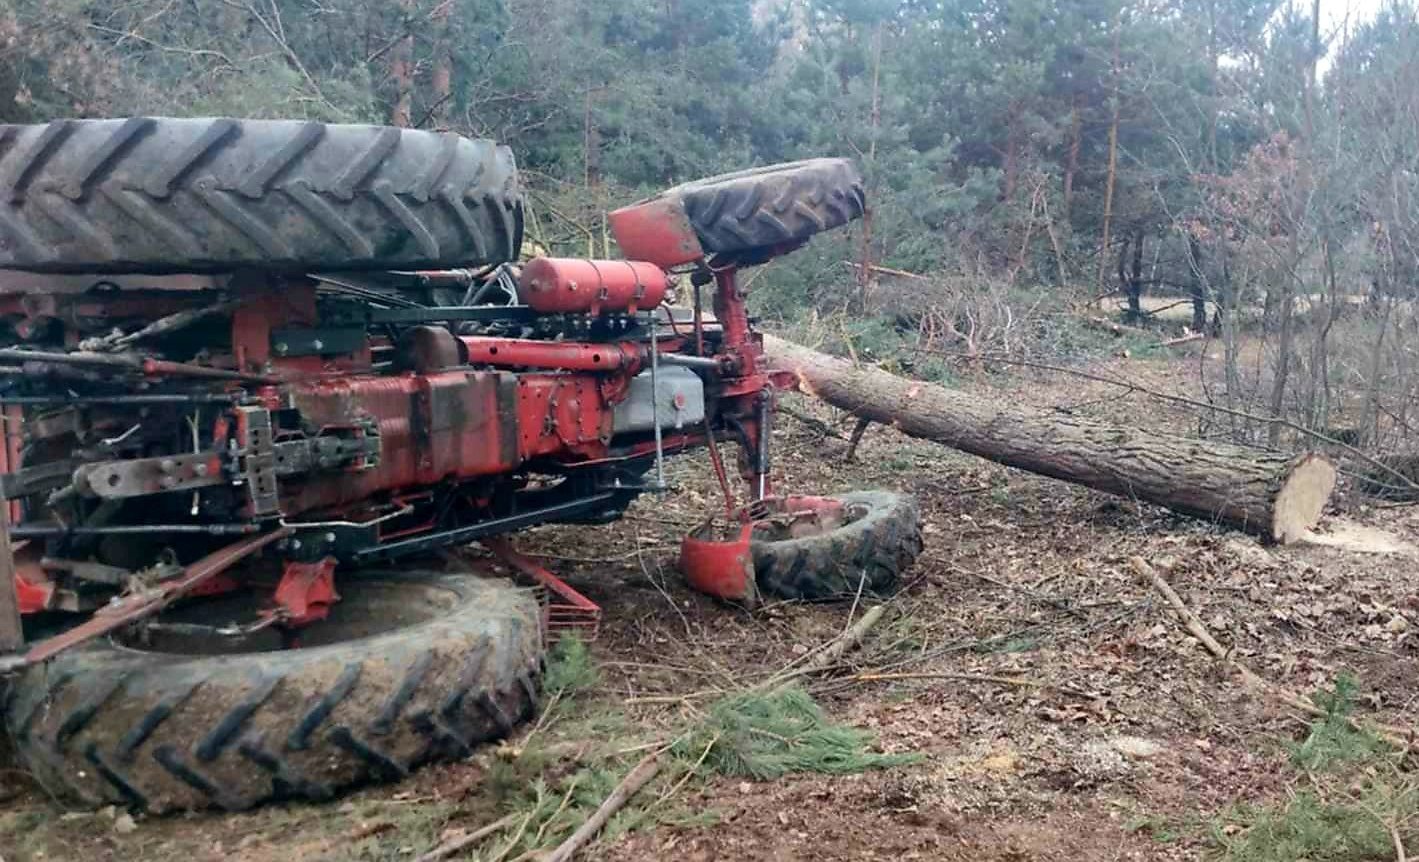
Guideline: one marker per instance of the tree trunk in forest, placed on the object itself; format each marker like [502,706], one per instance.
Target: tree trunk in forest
[1276,497]
[1214,104]
[1196,288]
[874,124]
[1076,136]
[401,72]
[1113,156]
[1135,280]
[441,81]
[1300,201]
[591,145]
[1012,154]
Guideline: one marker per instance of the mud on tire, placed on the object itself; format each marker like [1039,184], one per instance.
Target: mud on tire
[880,540]
[165,732]
[157,195]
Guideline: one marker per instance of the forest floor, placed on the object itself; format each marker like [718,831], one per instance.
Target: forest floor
[1059,709]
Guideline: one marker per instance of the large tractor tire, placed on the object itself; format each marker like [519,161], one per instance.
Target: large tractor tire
[878,537]
[773,206]
[155,195]
[743,218]
[408,668]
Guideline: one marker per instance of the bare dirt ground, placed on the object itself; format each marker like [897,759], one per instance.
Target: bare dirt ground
[1060,709]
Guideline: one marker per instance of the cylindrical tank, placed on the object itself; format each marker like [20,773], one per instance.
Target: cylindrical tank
[558,285]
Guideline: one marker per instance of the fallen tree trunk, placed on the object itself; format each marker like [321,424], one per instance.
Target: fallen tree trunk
[1274,496]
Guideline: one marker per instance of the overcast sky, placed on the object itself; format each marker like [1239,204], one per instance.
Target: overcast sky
[1335,14]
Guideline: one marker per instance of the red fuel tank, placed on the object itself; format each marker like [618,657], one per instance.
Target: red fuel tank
[572,285]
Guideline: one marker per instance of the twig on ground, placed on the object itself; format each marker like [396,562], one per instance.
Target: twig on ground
[1181,339]
[1396,736]
[1057,604]
[887,270]
[660,587]
[672,698]
[542,718]
[1388,825]
[566,798]
[811,421]
[516,836]
[690,773]
[857,431]
[834,650]
[448,848]
[1399,854]
[369,829]
[629,787]
[1018,682]
[856,599]
[617,558]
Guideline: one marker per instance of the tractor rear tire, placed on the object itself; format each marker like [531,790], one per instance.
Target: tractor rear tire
[161,195]
[867,553]
[408,668]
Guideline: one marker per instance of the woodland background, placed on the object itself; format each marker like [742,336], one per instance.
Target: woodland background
[1024,159]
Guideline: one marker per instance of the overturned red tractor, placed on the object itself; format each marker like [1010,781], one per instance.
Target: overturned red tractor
[255,372]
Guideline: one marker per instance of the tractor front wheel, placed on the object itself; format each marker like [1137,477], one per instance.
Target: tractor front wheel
[407,668]
[861,547]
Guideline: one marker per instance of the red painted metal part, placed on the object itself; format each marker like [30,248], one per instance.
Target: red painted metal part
[724,568]
[624,356]
[432,427]
[122,611]
[567,610]
[559,414]
[306,591]
[719,567]
[560,285]
[656,230]
[33,597]
[744,347]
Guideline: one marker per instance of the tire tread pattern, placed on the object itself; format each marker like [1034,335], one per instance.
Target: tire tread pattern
[156,194]
[772,206]
[169,733]
[871,551]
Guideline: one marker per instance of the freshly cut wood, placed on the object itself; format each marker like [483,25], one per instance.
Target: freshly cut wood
[1276,497]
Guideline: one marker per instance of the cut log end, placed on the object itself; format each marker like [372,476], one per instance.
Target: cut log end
[1303,495]
[1269,495]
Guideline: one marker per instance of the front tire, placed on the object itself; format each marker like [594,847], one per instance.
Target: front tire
[408,668]
[878,540]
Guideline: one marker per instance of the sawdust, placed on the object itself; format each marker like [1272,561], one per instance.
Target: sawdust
[1345,535]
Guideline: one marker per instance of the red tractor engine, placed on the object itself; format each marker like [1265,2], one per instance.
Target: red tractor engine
[249,363]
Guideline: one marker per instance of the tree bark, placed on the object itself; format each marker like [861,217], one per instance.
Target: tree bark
[1075,140]
[1112,176]
[1196,287]
[1274,496]
[401,72]
[441,81]
[1135,279]
[874,124]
